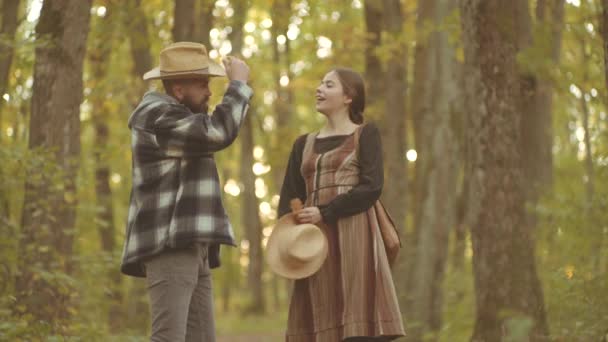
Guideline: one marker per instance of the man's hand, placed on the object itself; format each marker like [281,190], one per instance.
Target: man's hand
[309,215]
[236,69]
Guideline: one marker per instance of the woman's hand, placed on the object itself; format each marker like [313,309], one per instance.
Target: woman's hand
[309,215]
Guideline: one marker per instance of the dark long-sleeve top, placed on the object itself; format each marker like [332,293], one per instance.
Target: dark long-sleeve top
[360,198]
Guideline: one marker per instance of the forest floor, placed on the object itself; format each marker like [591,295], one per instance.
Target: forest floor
[274,337]
[234,327]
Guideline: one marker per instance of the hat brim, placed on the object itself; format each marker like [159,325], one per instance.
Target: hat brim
[214,70]
[278,265]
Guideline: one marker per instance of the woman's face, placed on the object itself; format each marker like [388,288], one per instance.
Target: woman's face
[330,97]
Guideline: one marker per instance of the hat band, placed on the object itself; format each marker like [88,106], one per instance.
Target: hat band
[183,71]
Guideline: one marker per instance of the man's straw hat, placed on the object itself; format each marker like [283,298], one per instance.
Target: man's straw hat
[185,60]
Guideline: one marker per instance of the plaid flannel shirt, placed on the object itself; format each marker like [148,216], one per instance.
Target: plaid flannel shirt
[176,195]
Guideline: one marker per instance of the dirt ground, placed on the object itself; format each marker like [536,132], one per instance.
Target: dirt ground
[251,338]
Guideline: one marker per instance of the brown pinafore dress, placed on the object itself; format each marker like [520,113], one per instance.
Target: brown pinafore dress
[353,293]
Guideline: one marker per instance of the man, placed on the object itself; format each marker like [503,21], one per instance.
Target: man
[176,218]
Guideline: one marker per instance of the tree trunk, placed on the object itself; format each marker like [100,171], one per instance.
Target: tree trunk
[599,265]
[393,127]
[536,100]
[535,125]
[437,171]
[236,35]
[590,207]
[230,270]
[424,72]
[250,218]
[284,100]
[374,75]
[507,287]
[203,23]
[604,31]
[100,55]
[139,41]
[557,26]
[10,11]
[422,95]
[45,244]
[461,226]
[183,20]
[283,103]
[589,170]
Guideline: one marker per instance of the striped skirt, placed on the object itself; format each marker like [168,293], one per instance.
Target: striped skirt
[352,294]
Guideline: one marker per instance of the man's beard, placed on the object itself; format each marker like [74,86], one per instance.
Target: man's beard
[194,107]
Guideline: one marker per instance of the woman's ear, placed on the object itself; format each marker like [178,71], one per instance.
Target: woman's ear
[347,100]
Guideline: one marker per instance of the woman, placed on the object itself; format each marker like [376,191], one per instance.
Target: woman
[338,174]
